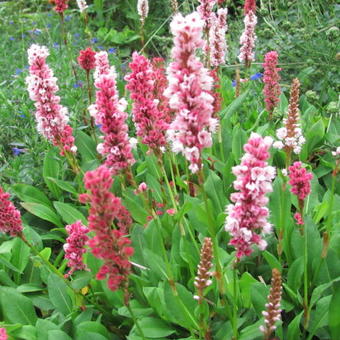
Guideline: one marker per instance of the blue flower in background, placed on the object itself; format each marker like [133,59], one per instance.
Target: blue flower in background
[37,31]
[27,67]
[55,45]
[18,71]
[49,25]
[76,35]
[256,76]
[49,14]
[112,50]
[233,83]
[78,84]
[99,126]
[23,36]
[11,38]
[22,116]
[94,40]
[11,22]
[17,151]
[100,47]
[68,18]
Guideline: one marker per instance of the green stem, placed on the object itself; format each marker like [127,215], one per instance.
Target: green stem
[46,262]
[135,321]
[305,277]
[235,309]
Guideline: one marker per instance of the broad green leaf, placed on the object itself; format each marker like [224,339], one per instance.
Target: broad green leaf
[214,188]
[234,105]
[295,272]
[259,293]
[57,335]
[86,146]
[92,327]
[294,328]
[180,305]
[319,316]
[28,193]
[43,326]
[64,185]
[17,307]
[239,138]
[334,313]
[51,168]
[43,212]
[272,260]
[155,328]
[59,294]
[68,213]
[8,264]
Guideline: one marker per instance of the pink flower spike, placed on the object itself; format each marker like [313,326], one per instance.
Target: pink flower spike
[74,246]
[298,219]
[10,217]
[3,334]
[300,181]
[205,11]
[110,245]
[52,118]
[247,218]
[108,111]
[86,59]
[60,6]
[151,122]
[217,40]
[249,5]
[271,80]
[248,38]
[189,91]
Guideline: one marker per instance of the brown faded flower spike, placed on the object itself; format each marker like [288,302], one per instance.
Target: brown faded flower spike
[273,311]
[202,280]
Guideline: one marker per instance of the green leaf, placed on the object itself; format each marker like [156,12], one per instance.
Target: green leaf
[43,327]
[295,272]
[135,206]
[51,168]
[272,261]
[294,328]
[17,307]
[68,213]
[43,212]
[20,254]
[181,305]
[64,185]
[155,328]
[333,314]
[313,137]
[319,316]
[28,193]
[59,294]
[239,138]
[234,105]
[8,264]
[214,189]
[86,146]
[259,293]
[80,279]
[87,327]
[57,335]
